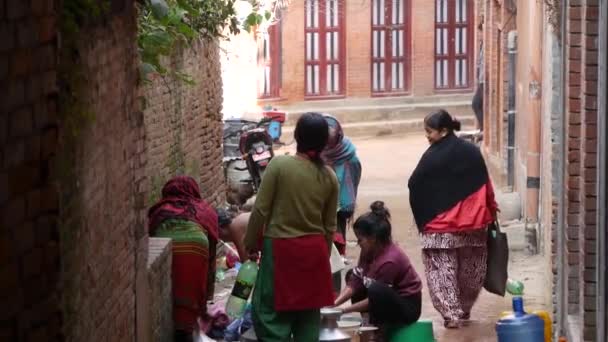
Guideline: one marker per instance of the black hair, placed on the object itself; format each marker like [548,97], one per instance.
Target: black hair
[376,223]
[311,134]
[441,119]
[224,217]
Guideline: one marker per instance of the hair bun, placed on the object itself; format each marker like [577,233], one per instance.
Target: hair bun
[379,209]
[456,125]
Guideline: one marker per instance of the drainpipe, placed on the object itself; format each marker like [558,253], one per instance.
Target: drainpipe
[512,47]
[562,272]
[535,22]
[602,168]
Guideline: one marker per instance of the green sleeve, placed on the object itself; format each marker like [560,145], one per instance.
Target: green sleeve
[330,220]
[263,206]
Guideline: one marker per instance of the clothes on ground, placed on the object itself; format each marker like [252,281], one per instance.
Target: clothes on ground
[192,224]
[274,325]
[450,171]
[295,198]
[455,277]
[239,326]
[392,267]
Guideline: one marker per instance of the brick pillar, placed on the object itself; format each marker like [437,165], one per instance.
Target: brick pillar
[29,238]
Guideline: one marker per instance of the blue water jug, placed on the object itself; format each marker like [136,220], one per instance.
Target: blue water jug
[520,326]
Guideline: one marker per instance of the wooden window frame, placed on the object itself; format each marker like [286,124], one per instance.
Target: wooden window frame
[388,58]
[451,56]
[322,61]
[273,90]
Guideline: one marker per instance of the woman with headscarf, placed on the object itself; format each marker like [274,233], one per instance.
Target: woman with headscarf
[293,222]
[341,155]
[452,200]
[182,215]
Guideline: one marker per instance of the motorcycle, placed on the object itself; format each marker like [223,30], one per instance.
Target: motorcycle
[248,149]
[473,136]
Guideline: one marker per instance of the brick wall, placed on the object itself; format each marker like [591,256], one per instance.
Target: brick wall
[160,299]
[582,42]
[183,124]
[358,49]
[102,219]
[29,237]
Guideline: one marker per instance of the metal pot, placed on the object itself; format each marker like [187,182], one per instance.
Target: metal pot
[367,334]
[329,327]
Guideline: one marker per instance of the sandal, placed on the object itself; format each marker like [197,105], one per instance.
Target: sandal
[466,319]
[448,324]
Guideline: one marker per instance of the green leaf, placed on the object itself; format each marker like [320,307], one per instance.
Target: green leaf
[268,15]
[146,69]
[160,9]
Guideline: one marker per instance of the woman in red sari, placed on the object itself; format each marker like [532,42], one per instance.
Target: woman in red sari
[192,224]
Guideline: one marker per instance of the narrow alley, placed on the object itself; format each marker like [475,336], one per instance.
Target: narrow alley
[135,135]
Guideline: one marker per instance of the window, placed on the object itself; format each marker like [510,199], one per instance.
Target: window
[390,46]
[269,62]
[453,44]
[325,46]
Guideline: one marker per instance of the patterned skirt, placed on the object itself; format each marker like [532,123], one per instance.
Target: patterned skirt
[455,269]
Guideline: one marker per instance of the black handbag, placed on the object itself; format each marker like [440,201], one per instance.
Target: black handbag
[498,261]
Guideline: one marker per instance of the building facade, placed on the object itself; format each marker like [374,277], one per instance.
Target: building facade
[337,49]
[545,138]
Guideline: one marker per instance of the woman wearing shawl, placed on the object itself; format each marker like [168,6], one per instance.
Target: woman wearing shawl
[295,215]
[192,224]
[341,155]
[452,200]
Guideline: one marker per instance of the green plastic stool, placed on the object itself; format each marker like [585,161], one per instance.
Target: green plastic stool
[421,331]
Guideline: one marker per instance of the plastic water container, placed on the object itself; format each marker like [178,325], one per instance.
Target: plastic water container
[243,286]
[520,326]
[420,331]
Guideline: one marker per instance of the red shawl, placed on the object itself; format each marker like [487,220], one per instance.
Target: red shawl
[181,199]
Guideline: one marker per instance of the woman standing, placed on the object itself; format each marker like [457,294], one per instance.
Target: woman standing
[295,215]
[192,225]
[341,155]
[452,200]
[385,283]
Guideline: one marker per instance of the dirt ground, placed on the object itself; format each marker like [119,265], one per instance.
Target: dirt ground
[387,163]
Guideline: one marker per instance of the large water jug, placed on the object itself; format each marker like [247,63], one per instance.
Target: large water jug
[520,326]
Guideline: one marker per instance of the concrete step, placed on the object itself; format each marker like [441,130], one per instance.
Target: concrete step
[383,127]
[374,109]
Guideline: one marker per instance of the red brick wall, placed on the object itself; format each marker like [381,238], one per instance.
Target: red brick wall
[29,237]
[102,221]
[358,49]
[582,42]
[183,124]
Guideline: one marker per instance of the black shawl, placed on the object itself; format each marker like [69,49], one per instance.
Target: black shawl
[449,171]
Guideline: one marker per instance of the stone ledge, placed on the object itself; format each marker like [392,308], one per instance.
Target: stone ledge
[157,249]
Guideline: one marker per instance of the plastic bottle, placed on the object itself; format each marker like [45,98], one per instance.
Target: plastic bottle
[243,286]
[515,287]
[520,326]
[546,317]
